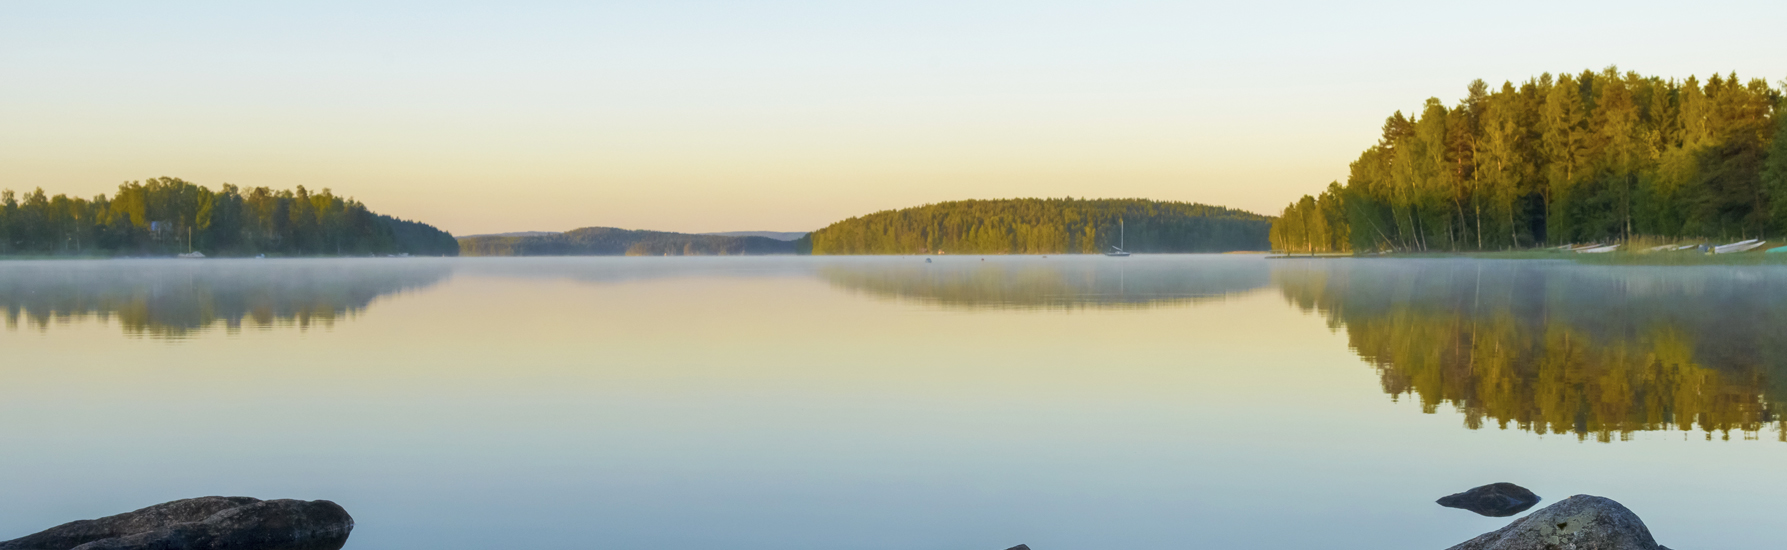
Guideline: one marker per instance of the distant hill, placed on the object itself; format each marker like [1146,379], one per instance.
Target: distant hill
[513,234]
[609,241]
[777,235]
[1046,226]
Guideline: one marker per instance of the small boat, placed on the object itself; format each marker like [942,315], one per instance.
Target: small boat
[1598,249]
[1117,251]
[191,253]
[1740,246]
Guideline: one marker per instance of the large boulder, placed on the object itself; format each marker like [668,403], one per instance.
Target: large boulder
[1581,522]
[207,523]
[1498,500]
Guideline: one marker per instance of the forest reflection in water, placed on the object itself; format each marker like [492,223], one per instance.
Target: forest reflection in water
[1054,283]
[1599,352]
[172,299]
[1554,347]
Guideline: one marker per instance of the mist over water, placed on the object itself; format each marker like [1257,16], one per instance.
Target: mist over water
[173,299]
[1058,283]
[885,402]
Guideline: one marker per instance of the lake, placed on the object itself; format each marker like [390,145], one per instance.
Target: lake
[1067,402]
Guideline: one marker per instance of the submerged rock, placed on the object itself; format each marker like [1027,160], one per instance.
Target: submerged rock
[1581,522]
[1020,546]
[1494,500]
[208,523]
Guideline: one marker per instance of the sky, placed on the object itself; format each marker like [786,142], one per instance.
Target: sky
[777,115]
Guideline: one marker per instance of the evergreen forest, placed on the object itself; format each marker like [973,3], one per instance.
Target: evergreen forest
[1045,226]
[1592,157]
[609,241]
[166,216]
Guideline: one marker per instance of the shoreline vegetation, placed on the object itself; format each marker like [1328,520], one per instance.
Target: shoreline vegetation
[1641,250]
[169,216]
[1669,258]
[1599,157]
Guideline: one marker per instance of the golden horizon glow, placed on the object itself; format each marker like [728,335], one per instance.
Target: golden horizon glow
[776,116]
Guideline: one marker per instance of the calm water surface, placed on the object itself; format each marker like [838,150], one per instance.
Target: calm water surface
[807,403]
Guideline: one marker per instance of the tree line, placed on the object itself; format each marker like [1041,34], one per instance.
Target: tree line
[164,216]
[1592,157]
[1045,226]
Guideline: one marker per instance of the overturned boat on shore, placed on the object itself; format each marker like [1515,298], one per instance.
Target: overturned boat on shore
[1740,246]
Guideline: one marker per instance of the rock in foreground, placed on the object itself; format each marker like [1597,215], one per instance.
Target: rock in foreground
[1497,500]
[1581,522]
[207,523]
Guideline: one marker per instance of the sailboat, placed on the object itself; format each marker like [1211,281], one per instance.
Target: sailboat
[191,253]
[1118,250]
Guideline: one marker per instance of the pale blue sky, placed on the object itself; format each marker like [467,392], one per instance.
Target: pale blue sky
[693,116]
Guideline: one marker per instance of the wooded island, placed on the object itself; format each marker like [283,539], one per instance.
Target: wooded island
[1046,226]
[168,216]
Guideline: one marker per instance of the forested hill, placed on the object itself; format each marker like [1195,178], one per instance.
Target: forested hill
[1045,226]
[1599,156]
[609,241]
[166,216]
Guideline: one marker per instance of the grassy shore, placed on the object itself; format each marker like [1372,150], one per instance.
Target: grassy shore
[1686,257]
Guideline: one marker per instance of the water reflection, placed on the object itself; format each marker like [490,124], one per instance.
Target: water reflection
[175,299]
[1599,352]
[1066,283]
[1554,348]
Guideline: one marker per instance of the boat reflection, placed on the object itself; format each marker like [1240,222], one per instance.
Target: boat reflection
[171,299]
[1599,352]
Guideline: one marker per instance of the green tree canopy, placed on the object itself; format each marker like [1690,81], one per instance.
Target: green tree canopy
[1596,156]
